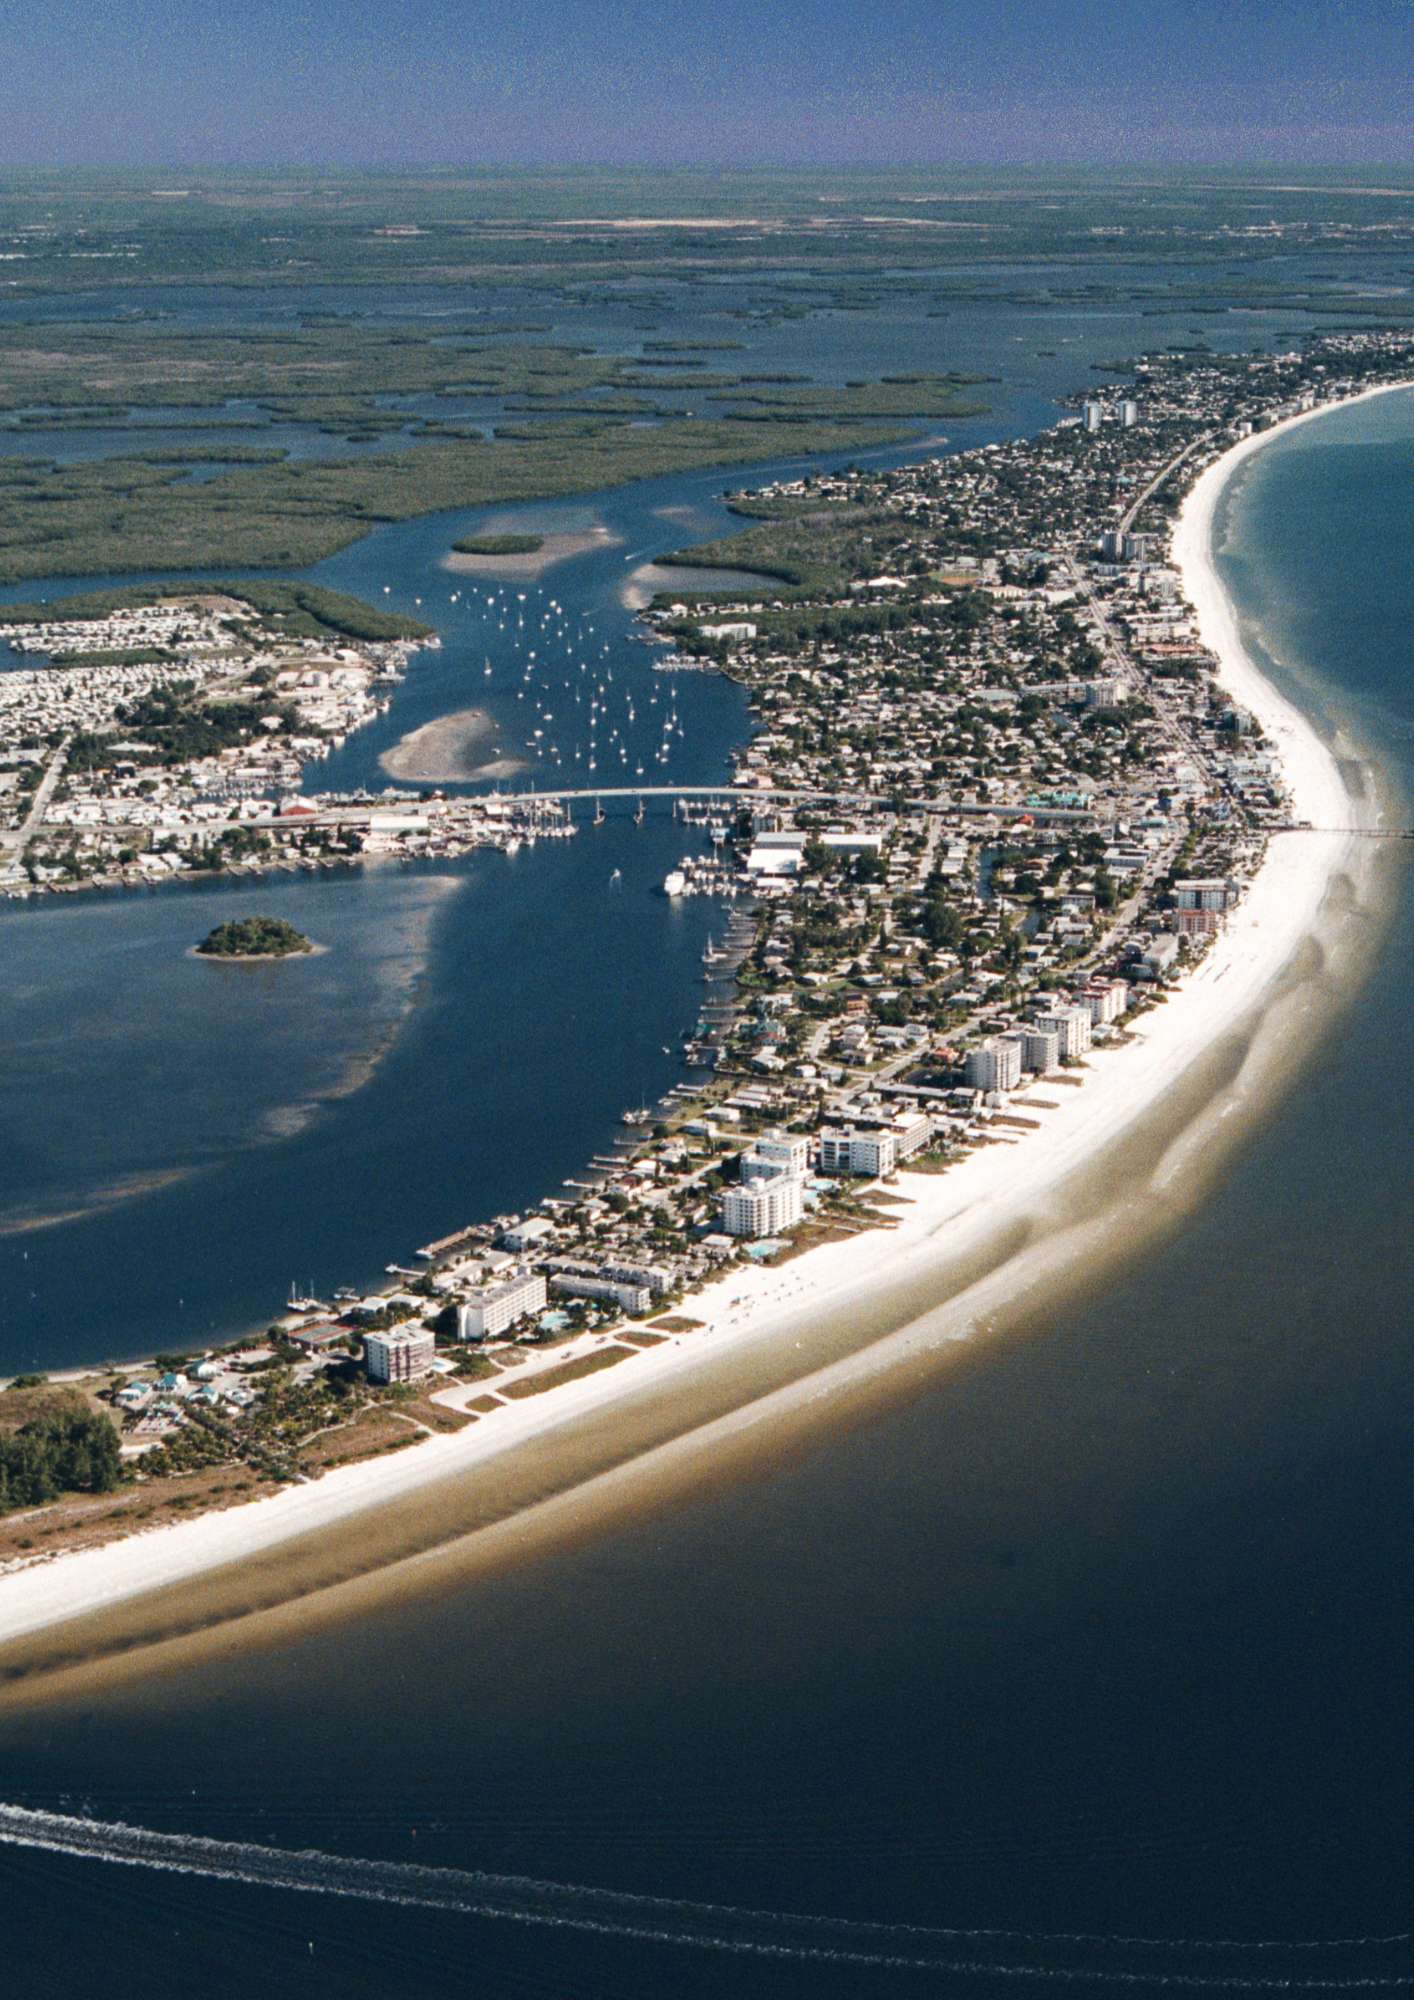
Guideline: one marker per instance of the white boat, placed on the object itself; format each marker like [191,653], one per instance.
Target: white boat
[674,882]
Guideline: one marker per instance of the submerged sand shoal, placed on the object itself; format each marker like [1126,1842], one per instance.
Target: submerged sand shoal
[961,1215]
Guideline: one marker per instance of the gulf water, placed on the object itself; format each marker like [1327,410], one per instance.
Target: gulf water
[1105,1635]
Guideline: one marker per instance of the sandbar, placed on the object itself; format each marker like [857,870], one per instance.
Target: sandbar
[451,750]
[553,549]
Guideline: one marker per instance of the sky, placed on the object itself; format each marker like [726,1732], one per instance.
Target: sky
[738,82]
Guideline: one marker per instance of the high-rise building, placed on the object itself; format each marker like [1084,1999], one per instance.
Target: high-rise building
[763,1207]
[1210,895]
[1072,1025]
[996,1063]
[405,1354]
[1042,1052]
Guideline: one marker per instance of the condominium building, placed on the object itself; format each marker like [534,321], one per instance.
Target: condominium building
[1211,895]
[776,1153]
[1072,1025]
[496,1308]
[763,1207]
[405,1354]
[1042,1051]
[912,1130]
[846,1150]
[996,1063]
[657,1277]
[1106,1000]
[628,1298]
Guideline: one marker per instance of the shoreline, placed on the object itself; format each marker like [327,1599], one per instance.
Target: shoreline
[976,1202]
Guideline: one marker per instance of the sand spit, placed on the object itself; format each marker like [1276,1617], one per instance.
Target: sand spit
[950,1268]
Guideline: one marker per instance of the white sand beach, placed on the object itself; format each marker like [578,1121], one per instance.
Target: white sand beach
[945,1217]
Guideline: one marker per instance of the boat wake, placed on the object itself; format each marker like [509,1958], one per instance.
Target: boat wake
[1244,1965]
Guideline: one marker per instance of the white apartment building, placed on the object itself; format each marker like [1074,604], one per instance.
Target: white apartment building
[996,1063]
[763,1208]
[628,1298]
[1106,1000]
[845,1150]
[1042,1052]
[657,1277]
[912,1131]
[776,1153]
[1212,895]
[496,1308]
[405,1354]
[1072,1025]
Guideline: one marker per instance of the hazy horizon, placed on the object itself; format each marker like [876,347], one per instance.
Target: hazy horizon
[333,84]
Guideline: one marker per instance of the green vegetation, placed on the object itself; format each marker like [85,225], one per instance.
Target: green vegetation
[62,1446]
[568,1371]
[254,937]
[814,547]
[105,516]
[114,656]
[171,725]
[499,545]
[895,396]
[283,610]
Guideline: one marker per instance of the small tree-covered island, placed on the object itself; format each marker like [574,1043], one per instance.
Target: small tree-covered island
[499,545]
[254,937]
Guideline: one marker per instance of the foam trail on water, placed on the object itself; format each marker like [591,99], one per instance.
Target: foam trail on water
[665,1920]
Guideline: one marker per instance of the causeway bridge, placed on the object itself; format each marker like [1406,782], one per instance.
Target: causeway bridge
[732,797]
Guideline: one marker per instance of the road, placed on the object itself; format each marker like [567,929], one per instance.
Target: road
[13,845]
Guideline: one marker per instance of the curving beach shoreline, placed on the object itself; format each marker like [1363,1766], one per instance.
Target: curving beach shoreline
[950,1219]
